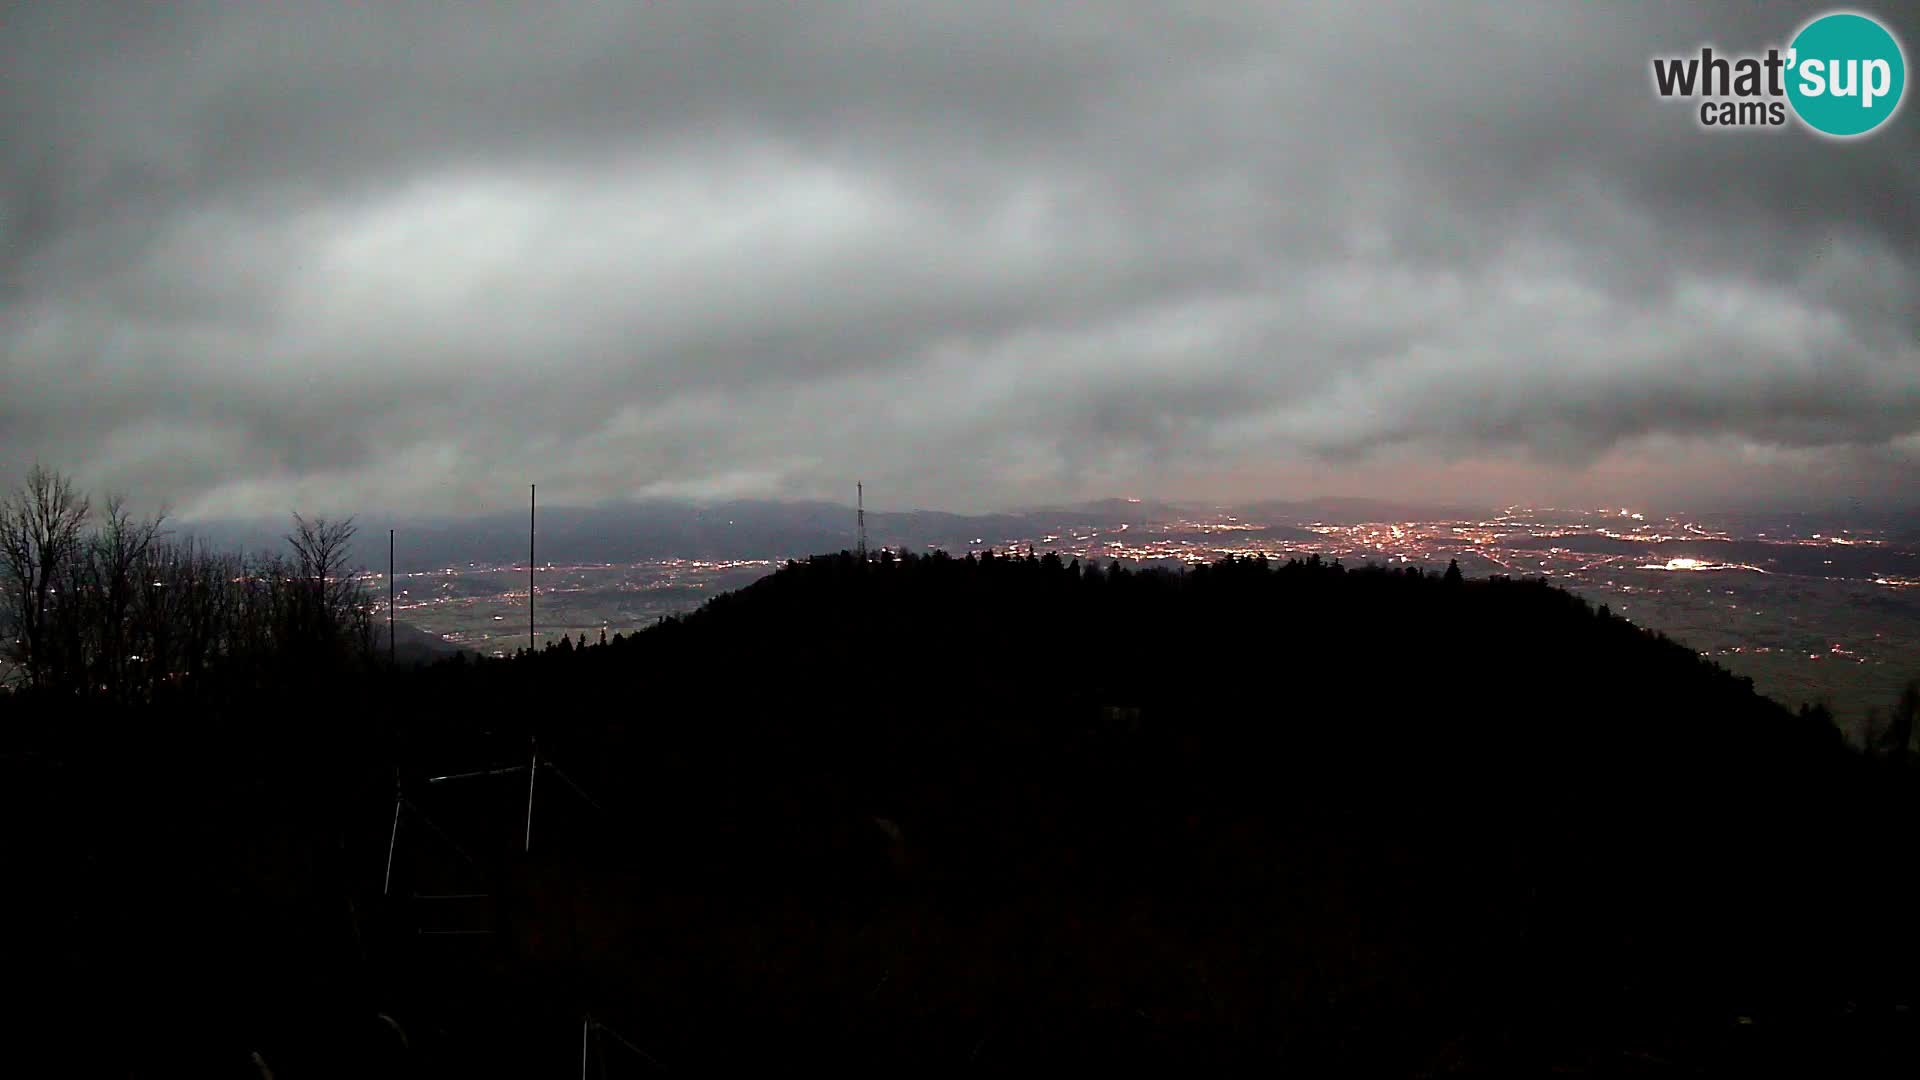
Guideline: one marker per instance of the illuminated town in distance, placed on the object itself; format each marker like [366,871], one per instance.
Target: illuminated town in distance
[1813,610]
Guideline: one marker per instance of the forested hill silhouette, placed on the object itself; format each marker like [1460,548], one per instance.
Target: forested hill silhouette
[1010,812]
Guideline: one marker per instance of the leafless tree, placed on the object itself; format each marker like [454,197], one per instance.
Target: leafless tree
[40,539]
[121,610]
[320,546]
[192,614]
[329,608]
[116,561]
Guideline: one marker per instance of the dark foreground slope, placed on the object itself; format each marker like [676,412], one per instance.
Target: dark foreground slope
[995,812]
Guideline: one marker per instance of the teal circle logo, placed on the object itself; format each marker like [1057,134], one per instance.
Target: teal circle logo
[1846,74]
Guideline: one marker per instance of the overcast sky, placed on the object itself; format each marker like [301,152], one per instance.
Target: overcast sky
[980,254]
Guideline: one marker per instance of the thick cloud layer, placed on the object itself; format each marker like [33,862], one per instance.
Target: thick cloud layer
[978,253]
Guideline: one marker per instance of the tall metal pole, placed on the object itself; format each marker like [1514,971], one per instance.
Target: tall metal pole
[860,517]
[533,493]
[533,773]
[393,839]
[390,651]
[533,766]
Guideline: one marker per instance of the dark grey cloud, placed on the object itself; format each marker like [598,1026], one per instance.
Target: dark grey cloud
[412,256]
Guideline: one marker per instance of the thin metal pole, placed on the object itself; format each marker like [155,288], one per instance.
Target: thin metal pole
[533,493]
[577,789]
[390,646]
[501,771]
[393,839]
[624,1041]
[533,773]
[442,834]
[585,1023]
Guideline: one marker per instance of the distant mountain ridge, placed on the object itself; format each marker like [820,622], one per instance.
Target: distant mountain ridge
[749,529]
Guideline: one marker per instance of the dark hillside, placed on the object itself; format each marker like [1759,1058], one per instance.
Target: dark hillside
[1013,813]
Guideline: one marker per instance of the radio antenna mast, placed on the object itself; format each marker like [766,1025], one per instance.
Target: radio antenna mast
[533,492]
[860,516]
[390,652]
